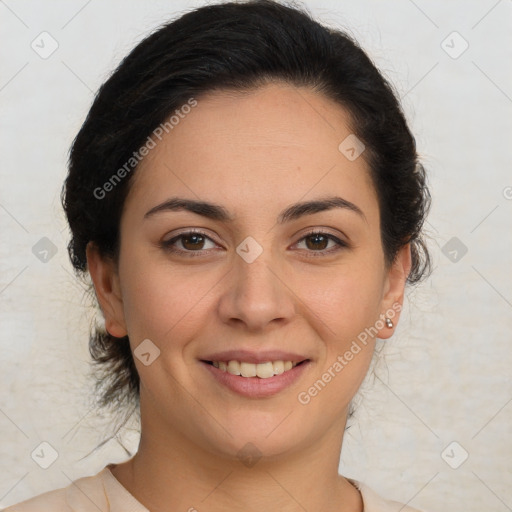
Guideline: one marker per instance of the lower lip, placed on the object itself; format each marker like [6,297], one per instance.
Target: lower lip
[254,387]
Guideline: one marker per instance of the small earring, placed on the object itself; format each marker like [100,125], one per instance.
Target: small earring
[389,323]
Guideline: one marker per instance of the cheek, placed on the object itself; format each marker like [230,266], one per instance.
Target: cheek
[160,301]
[343,310]
[345,300]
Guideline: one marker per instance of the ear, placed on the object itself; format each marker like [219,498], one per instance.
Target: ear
[105,277]
[394,288]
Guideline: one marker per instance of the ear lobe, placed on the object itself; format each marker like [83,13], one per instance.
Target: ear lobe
[105,278]
[392,301]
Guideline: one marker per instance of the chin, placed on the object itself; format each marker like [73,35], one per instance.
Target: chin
[255,435]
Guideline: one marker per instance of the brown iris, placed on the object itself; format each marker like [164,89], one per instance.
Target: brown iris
[317,241]
[193,241]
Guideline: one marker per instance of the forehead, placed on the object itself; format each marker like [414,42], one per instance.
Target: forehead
[276,138]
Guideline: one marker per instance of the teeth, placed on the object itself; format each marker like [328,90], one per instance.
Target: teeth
[234,367]
[247,369]
[264,370]
[278,367]
[261,370]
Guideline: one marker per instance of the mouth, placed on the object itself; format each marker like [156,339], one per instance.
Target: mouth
[255,380]
[265,370]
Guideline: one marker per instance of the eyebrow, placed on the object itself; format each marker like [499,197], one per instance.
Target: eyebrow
[219,213]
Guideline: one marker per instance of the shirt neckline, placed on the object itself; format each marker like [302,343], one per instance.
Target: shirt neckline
[122,500]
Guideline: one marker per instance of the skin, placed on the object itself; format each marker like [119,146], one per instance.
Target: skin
[266,149]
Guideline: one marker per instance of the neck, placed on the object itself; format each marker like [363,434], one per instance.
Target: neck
[169,472]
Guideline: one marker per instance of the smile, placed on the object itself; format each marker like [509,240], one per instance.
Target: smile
[262,370]
[256,380]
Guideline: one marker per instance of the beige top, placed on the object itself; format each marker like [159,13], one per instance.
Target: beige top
[104,493]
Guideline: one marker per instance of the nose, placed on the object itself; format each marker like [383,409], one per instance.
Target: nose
[256,296]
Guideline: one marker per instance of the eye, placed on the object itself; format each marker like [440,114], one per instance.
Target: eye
[195,243]
[320,242]
[190,241]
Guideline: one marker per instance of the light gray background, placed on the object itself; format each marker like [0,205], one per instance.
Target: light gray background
[446,374]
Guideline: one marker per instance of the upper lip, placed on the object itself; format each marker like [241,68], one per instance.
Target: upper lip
[249,356]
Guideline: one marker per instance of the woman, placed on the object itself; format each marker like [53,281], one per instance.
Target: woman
[247,199]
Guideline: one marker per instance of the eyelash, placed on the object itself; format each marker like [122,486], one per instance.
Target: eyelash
[168,245]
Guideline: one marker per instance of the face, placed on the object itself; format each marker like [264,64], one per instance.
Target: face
[269,251]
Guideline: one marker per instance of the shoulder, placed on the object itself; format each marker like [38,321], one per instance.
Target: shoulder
[373,502]
[84,495]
